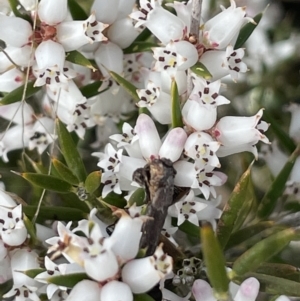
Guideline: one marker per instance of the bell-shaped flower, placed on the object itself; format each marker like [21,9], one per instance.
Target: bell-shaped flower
[222,29]
[15,31]
[85,290]
[116,290]
[186,209]
[234,131]
[74,34]
[104,12]
[5,199]
[222,63]
[97,252]
[228,150]
[152,15]
[198,116]
[157,102]
[175,56]
[207,93]
[144,273]
[201,147]
[52,12]
[50,70]
[126,236]
[12,229]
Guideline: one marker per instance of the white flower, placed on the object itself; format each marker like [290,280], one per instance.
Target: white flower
[294,129]
[85,290]
[235,131]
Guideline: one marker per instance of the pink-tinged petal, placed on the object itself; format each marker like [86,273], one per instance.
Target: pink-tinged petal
[85,290]
[11,80]
[116,290]
[248,290]
[202,291]
[14,31]
[148,136]
[53,12]
[173,145]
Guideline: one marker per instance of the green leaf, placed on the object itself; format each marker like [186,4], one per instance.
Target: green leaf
[30,229]
[70,151]
[242,235]
[277,188]
[214,262]
[143,36]
[33,272]
[284,139]
[129,87]
[14,4]
[17,94]
[263,251]
[200,70]
[64,172]
[233,208]
[115,200]
[280,270]
[277,285]
[77,12]
[140,47]
[55,213]
[79,59]
[138,197]
[142,297]
[93,181]
[48,182]
[69,280]
[176,110]
[91,90]
[246,31]
[5,287]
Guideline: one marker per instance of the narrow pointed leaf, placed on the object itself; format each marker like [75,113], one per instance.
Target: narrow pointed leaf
[93,181]
[140,47]
[277,188]
[70,151]
[33,272]
[91,90]
[30,229]
[77,12]
[38,167]
[233,208]
[263,251]
[246,31]
[55,213]
[200,70]
[138,197]
[69,280]
[214,262]
[115,200]
[242,235]
[64,172]
[78,58]
[276,285]
[48,182]
[5,287]
[14,4]
[16,95]
[176,110]
[129,87]
[143,36]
